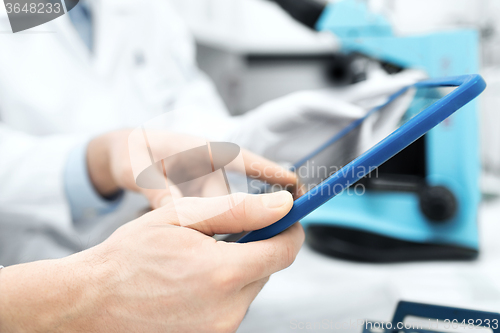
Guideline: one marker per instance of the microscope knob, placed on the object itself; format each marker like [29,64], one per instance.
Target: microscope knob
[438,203]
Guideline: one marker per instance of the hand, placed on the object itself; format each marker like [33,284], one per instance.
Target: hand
[152,275]
[110,168]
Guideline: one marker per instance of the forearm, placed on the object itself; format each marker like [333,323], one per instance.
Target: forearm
[47,296]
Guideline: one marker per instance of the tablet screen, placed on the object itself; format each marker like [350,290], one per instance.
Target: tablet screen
[362,135]
[356,139]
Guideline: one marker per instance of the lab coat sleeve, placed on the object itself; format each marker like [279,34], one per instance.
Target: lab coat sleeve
[83,199]
[31,177]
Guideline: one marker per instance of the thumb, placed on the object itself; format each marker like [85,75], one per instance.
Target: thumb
[232,213]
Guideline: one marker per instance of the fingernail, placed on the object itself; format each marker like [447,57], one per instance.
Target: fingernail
[276,200]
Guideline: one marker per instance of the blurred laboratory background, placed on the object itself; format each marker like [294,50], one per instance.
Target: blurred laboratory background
[255,51]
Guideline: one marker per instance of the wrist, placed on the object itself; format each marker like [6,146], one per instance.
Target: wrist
[99,167]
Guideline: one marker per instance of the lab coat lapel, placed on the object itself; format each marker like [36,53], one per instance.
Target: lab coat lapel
[109,19]
[71,40]
[113,21]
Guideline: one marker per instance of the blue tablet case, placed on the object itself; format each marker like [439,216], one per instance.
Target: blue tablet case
[468,88]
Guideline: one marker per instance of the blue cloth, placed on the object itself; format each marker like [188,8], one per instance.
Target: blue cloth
[81,17]
[83,199]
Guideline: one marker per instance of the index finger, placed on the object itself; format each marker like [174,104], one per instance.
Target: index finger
[257,260]
[261,168]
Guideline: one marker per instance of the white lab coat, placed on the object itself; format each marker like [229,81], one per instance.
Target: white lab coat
[54,94]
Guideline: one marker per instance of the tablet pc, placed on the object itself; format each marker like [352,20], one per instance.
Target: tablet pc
[435,100]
